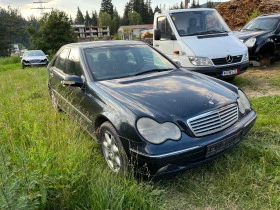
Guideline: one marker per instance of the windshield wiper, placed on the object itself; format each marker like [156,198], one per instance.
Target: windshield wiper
[207,32]
[151,71]
[258,29]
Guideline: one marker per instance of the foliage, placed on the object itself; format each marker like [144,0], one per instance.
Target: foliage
[94,18]
[10,60]
[55,31]
[210,4]
[107,6]
[134,18]
[115,23]
[177,6]
[11,28]
[79,17]
[254,14]
[104,19]
[195,4]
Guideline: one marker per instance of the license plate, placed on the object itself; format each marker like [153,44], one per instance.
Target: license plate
[220,146]
[229,72]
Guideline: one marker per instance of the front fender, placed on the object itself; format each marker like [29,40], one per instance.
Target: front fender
[266,46]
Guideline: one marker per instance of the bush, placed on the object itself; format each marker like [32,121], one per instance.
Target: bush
[10,60]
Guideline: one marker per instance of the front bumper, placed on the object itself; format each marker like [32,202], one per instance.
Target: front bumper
[216,71]
[206,148]
[42,63]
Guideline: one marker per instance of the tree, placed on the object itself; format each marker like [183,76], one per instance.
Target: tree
[157,9]
[210,4]
[182,5]
[79,17]
[54,32]
[115,23]
[104,19]
[94,18]
[12,29]
[134,18]
[88,20]
[107,6]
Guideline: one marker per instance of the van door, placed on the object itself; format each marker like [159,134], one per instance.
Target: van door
[165,44]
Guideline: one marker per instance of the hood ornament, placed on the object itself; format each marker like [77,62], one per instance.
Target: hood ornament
[210,97]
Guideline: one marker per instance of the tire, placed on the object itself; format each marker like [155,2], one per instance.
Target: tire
[54,100]
[112,148]
[22,65]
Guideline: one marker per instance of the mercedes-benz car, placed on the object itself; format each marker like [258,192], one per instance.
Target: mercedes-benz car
[34,58]
[262,36]
[147,113]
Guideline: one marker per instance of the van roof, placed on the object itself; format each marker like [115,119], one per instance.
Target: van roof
[185,10]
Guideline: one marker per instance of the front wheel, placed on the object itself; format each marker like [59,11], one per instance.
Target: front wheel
[112,149]
[22,65]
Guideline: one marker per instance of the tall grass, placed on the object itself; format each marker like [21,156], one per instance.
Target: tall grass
[10,60]
[47,161]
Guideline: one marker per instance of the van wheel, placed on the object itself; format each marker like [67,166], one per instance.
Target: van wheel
[112,148]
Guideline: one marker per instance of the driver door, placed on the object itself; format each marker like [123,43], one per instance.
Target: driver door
[165,44]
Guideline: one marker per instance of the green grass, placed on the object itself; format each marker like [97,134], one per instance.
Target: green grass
[48,162]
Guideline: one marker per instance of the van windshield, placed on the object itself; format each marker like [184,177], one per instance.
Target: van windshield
[190,23]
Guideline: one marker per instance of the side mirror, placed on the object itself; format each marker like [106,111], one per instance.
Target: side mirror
[173,37]
[21,56]
[72,80]
[157,34]
[47,55]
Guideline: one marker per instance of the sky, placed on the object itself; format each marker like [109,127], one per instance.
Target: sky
[70,6]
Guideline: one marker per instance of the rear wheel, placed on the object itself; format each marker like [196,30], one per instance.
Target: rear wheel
[112,148]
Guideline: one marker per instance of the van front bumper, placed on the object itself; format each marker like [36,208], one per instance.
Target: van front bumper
[217,71]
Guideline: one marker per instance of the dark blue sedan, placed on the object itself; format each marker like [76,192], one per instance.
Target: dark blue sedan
[146,112]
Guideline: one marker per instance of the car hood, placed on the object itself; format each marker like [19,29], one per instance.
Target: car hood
[243,35]
[34,58]
[173,95]
[222,44]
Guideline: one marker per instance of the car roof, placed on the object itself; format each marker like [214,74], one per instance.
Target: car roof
[275,15]
[105,43]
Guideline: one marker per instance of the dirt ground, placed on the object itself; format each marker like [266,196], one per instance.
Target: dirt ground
[260,81]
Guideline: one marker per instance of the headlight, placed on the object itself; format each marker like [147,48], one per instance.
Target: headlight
[157,133]
[243,102]
[200,61]
[250,42]
[246,57]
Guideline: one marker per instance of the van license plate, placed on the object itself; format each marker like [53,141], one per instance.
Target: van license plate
[229,72]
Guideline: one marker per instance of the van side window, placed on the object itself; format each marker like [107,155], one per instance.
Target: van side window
[164,26]
[61,59]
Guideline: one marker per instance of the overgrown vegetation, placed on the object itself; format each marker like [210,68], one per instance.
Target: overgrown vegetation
[48,162]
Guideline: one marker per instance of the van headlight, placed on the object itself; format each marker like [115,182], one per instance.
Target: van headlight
[157,133]
[250,42]
[200,61]
[243,103]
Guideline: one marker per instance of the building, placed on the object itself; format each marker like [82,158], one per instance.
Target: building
[90,33]
[133,31]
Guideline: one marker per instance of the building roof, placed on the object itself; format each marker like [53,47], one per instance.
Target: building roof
[146,26]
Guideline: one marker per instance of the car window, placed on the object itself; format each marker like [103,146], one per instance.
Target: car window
[117,62]
[164,27]
[61,59]
[74,65]
[261,24]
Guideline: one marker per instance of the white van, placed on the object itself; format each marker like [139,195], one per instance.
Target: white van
[201,41]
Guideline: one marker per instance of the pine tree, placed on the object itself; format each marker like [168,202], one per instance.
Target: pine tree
[157,9]
[88,20]
[182,5]
[94,18]
[107,6]
[210,4]
[79,17]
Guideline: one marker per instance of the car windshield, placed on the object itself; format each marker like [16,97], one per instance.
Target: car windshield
[124,61]
[191,23]
[266,24]
[33,53]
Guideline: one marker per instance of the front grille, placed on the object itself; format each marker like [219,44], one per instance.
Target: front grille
[214,121]
[223,61]
[35,61]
